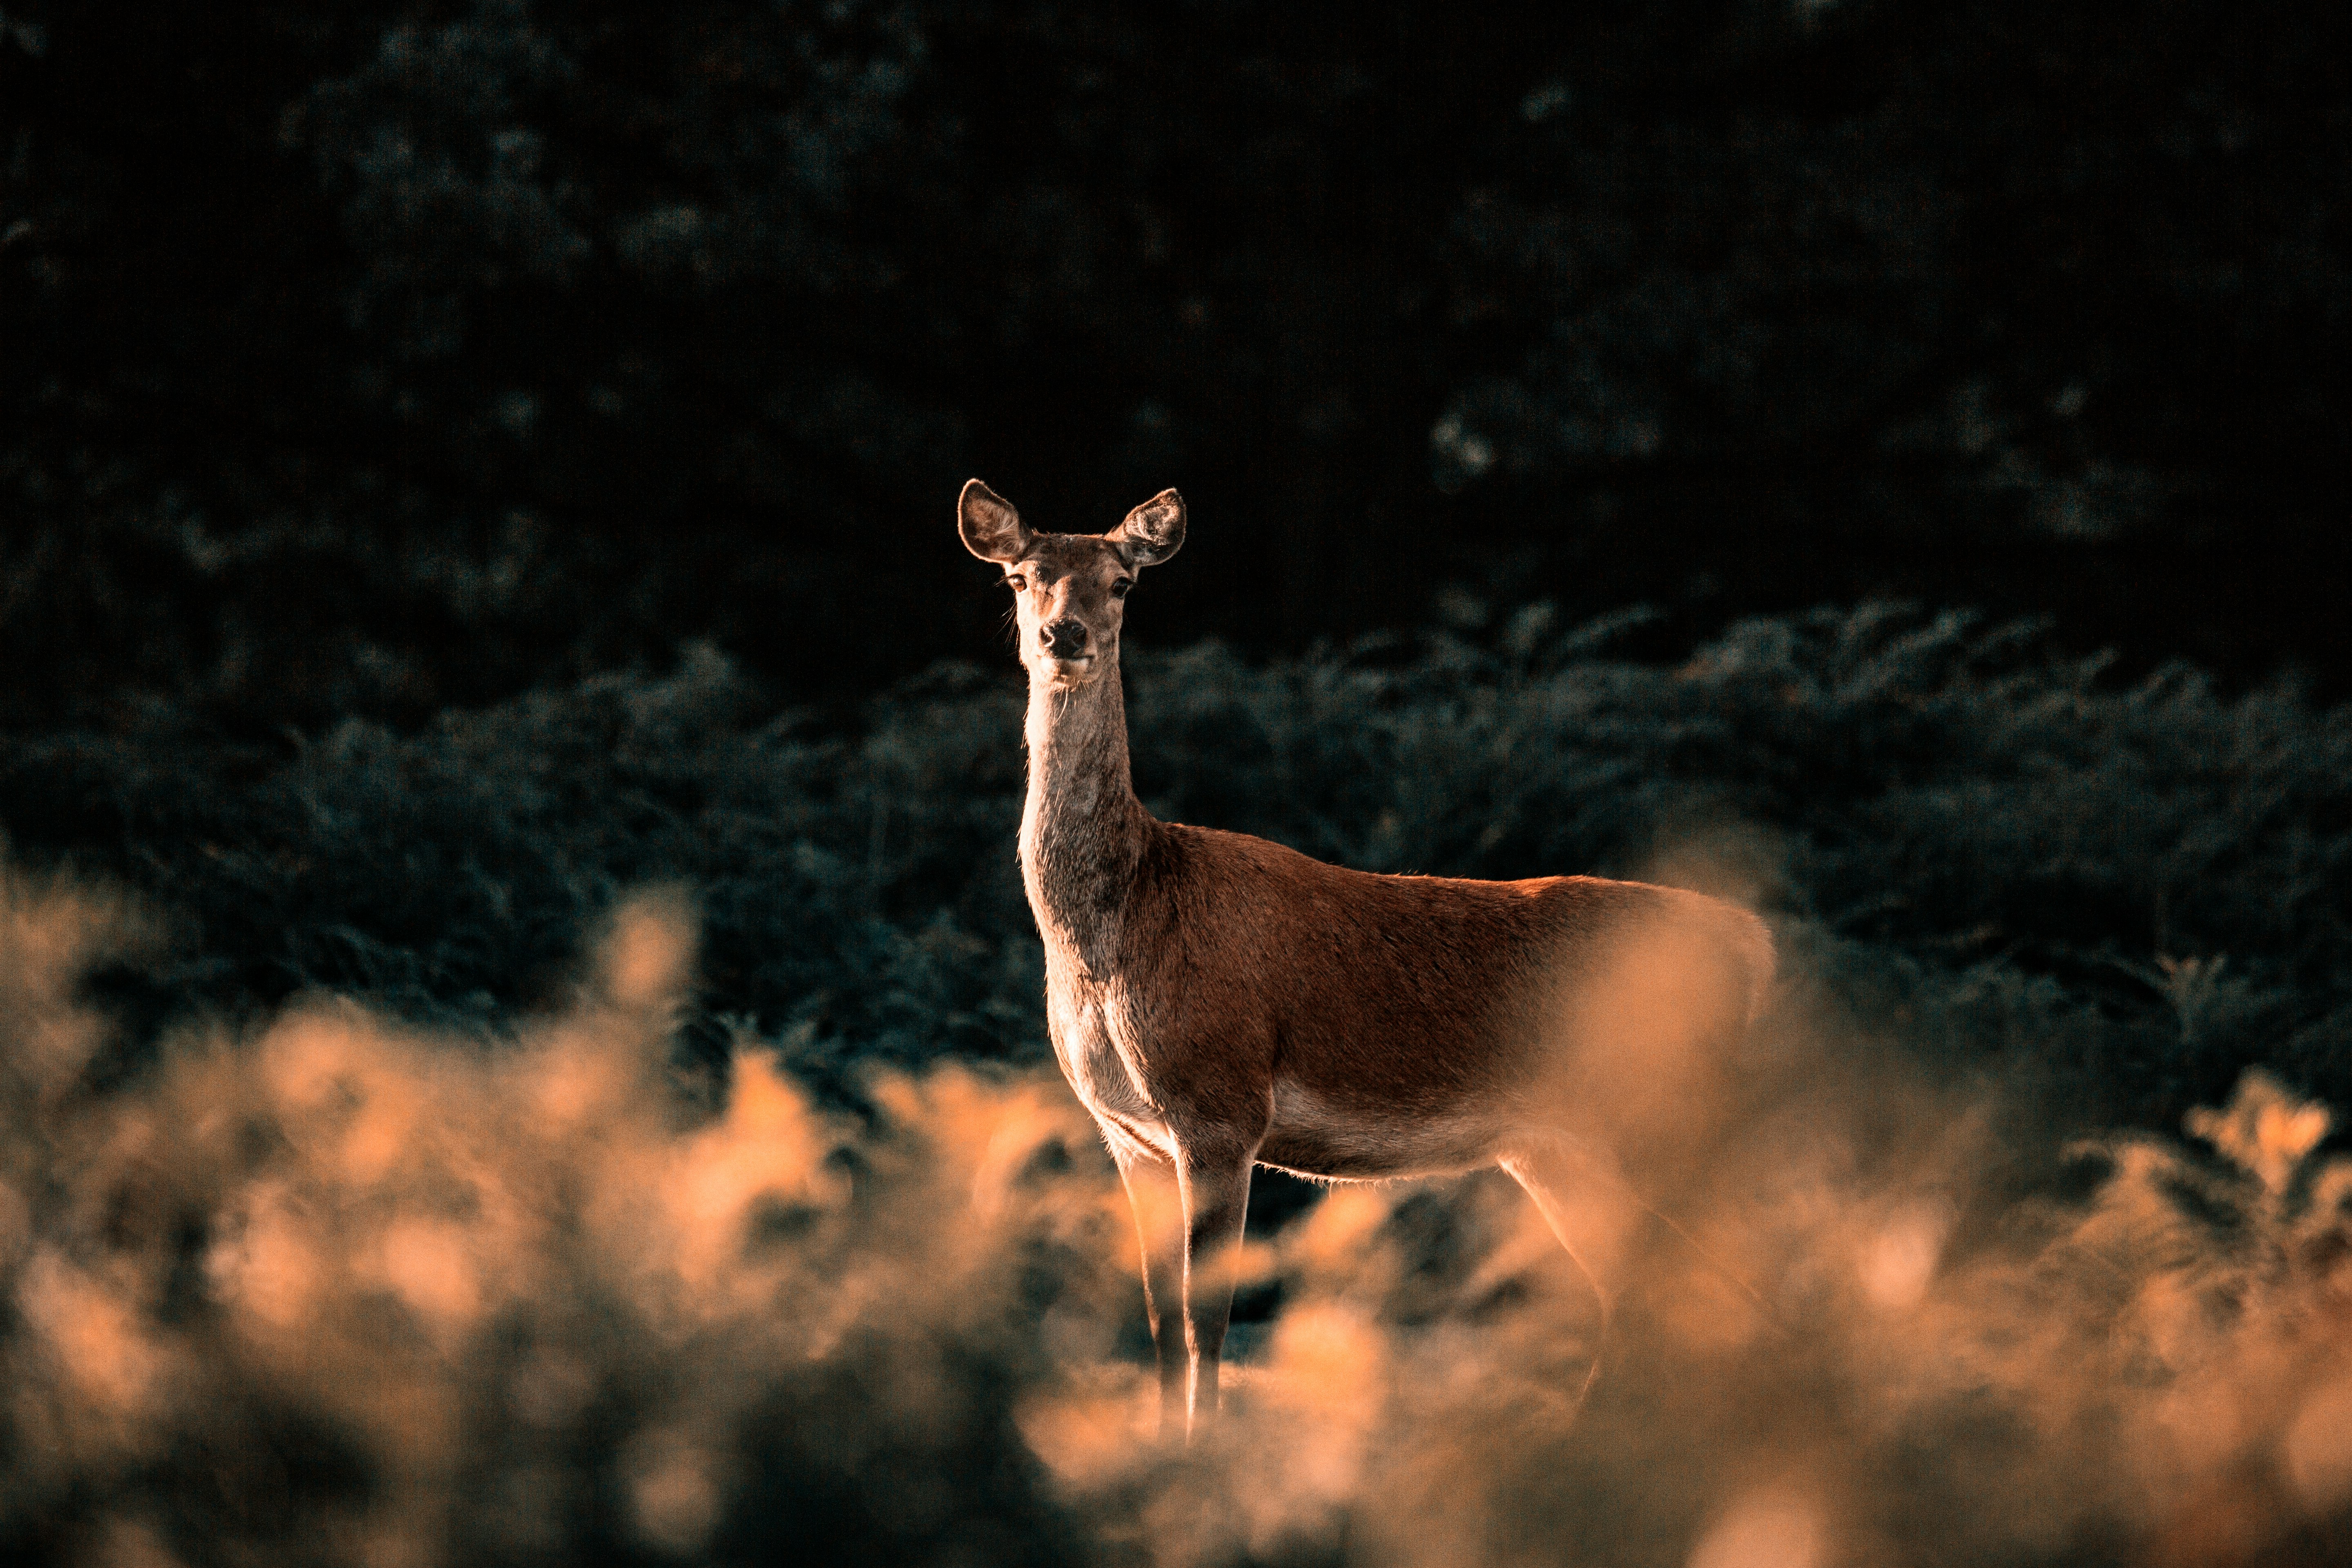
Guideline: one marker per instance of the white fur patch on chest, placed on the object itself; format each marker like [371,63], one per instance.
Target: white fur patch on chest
[1098,1052]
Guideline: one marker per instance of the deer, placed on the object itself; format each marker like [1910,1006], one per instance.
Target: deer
[1219,1001]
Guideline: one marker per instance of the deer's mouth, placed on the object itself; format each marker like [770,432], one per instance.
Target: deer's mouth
[1070,672]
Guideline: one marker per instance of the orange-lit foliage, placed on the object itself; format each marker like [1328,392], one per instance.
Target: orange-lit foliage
[339,1291]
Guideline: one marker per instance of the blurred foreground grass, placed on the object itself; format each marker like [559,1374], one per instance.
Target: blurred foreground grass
[2127,893]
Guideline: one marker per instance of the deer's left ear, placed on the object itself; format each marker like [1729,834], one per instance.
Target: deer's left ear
[1152,532]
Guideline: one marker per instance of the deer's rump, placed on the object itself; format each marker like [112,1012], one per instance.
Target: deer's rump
[1405,1025]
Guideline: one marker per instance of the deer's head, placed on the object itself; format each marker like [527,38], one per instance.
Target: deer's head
[1069,590]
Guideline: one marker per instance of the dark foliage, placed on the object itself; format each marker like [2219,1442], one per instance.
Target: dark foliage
[2131,892]
[380,356]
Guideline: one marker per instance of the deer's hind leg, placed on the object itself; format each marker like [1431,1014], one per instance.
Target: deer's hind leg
[1588,1211]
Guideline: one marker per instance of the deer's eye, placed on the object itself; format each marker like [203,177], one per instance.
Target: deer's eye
[1017,583]
[1119,589]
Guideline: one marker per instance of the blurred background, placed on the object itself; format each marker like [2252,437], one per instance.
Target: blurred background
[376,358]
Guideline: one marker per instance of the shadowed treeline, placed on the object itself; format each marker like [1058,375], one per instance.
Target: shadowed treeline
[378,356]
[333,1289]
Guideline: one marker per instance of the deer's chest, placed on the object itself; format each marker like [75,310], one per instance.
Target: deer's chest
[1095,1039]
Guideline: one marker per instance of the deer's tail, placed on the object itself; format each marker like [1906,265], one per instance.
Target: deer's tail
[1752,951]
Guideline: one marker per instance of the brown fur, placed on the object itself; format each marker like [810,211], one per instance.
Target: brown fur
[1218,1001]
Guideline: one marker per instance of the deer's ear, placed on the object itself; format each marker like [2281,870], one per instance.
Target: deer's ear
[1152,532]
[992,530]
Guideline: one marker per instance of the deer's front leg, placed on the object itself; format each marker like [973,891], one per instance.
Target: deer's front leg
[1212,1175]
[1153,1194]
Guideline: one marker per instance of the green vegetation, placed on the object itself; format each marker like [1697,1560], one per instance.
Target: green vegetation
[2130,892]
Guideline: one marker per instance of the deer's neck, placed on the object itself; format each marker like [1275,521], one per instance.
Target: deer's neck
[1082,831]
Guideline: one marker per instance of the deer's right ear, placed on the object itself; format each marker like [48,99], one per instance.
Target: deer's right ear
[992,530]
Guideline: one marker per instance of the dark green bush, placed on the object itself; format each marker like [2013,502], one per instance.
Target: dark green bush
[2134,891]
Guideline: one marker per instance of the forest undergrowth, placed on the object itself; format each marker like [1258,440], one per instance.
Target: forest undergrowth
[2131,891]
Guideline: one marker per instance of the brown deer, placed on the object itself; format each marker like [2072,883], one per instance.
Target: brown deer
[1219,1002]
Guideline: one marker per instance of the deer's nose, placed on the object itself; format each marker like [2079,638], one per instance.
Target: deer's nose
[1062,638]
